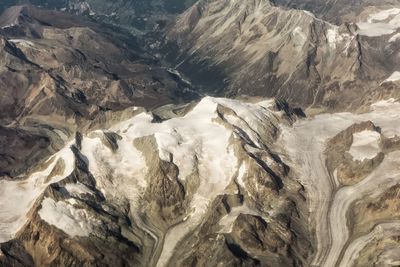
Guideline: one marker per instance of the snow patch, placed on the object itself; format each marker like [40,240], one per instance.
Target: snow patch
[309,13]
[394,38]
[300,36]
[74,222]
[333,36]
[228,220]
[375,29]
[394,77]
[382,23]
[22,42]
[365,145]
[78,189]
[9,26]
[18,197]
[383,15]
[383,103]
[241,175]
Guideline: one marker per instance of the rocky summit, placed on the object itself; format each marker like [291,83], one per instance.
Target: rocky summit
[200,133]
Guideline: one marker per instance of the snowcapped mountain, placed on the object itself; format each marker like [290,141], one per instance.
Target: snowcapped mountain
[208,133]
[243,177]
[143,186]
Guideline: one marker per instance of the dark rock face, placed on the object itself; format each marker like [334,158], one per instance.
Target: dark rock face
[19,149]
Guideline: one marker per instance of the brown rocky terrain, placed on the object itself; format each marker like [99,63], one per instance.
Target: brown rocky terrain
[262,48]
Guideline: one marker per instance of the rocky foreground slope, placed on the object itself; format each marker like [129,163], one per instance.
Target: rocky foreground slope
[220,182]
[156,193]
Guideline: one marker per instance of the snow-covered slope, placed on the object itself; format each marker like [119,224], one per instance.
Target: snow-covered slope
[222,173]
[166,176]
[331,202]
[383,22]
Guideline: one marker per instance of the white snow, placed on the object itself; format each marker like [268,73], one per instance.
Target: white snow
[381,23]
[198,133]
[384,103]
[383,15]
[255,115]
[228,220]
[375,29]
[118,174]
[22,42]
[394,77]
[74,222]
[18,197]
[201,136]
[300,36]
[365,145]
[309,13]
[333,36]
[195,140]
[78,189]
[389,108]
[241,175]
[394,38]
[9,26]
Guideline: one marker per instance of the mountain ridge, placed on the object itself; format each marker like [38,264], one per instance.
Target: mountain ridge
[225,38]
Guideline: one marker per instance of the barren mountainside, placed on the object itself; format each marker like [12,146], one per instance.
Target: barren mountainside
[59,71]
[263,49]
